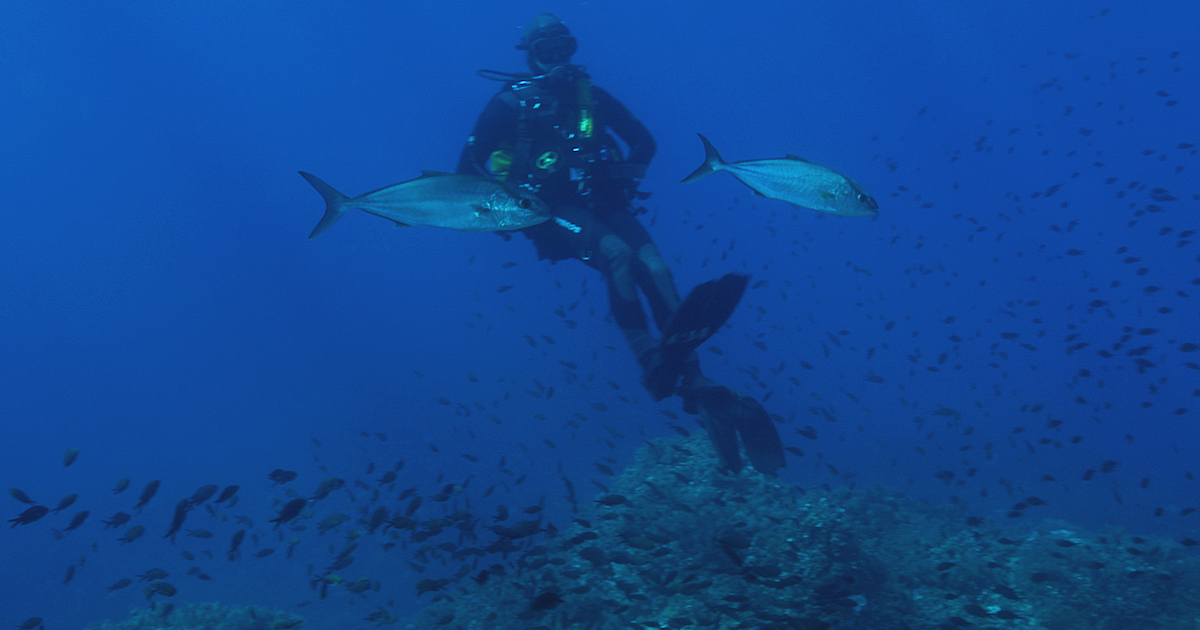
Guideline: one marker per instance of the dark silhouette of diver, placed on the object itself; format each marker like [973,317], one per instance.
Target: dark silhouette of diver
[549,132]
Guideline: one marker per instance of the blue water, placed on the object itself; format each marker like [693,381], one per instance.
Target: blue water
[164,313]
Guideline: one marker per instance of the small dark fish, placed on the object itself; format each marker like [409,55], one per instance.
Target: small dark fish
[76,521]
[122,484]
[65,503]
[154,574]
[181,509]
[147,493]
[611,500]
[30,515]
[289,512]
[70,456]
[234,543]
[70,574]
[203,494]
[1006,592]
[281,476]
[160,588]
[428,586]
[118,519]
[198,533]
[328,485]
[21,496]
[378,517]
[119,584]
[132,534]
[263,553]
[735,541]
[545,601]
[30,623]
[520,529]
[226,494]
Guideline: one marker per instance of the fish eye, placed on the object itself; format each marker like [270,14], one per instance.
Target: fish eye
[523,204]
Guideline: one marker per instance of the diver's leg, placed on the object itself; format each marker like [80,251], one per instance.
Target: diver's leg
[575,233]
[655,279]
[615,261]
[650,270]
[659,286]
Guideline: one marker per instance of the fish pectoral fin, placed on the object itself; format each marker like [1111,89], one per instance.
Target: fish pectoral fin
[400,225]
[481,209]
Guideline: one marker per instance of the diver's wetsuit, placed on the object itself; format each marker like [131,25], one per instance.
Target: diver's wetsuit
[552,135]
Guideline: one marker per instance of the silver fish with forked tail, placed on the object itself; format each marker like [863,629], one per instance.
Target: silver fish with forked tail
[794,180]
[447,200]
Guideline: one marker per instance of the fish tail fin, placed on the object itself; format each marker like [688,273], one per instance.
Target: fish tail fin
[712,162]
[334,204]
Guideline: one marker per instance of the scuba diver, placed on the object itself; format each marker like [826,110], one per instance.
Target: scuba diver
[550,132]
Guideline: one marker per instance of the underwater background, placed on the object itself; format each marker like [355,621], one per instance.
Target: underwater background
[1023,310]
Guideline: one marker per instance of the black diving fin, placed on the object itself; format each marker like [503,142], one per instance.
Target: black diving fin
[725,414]
[703,312]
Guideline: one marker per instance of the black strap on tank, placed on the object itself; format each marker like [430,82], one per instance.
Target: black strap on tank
[521,95]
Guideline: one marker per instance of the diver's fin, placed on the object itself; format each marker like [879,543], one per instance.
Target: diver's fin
[759,435]
[722,432]
[725,414]
[699,317]
[702,314]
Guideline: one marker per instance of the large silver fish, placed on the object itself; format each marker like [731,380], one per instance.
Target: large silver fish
[458,202]
[794,180]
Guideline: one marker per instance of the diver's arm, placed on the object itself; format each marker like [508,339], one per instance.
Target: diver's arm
[497,123]
[628,128]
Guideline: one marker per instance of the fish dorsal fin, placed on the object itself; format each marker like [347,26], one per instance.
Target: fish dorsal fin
[425,174]
[796,158]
